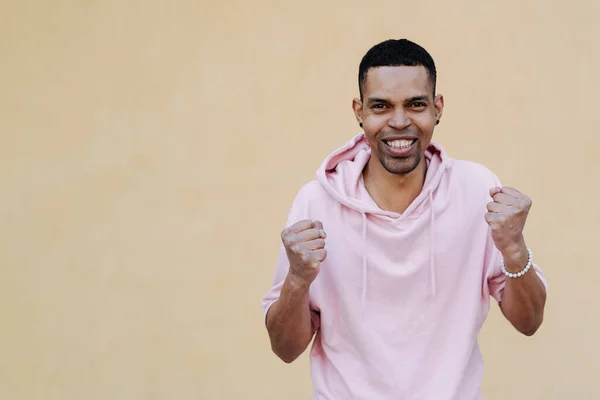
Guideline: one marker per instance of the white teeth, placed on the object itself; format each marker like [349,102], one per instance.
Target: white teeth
[399,144]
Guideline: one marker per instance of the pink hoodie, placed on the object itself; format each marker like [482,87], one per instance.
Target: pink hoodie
[401,297]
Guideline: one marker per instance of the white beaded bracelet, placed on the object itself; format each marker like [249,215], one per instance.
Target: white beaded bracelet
[522,272]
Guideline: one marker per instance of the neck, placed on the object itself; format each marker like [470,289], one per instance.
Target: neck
[393,192]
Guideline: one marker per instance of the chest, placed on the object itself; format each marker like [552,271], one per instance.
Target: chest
[406,263]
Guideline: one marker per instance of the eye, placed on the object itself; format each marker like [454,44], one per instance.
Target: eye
[379,108]
[419,104]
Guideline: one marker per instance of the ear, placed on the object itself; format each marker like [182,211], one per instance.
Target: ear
[357,107]
[438,103]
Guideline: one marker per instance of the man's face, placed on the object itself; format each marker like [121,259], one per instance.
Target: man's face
[398,113]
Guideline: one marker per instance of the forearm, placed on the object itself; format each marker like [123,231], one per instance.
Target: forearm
[289,320]
[524,297]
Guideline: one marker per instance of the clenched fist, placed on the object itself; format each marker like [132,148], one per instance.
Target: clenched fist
[506,216]
[304,244]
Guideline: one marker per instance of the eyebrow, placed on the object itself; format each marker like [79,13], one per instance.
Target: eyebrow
[372,100]
[417,98]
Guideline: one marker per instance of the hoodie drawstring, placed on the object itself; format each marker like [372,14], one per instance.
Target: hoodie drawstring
[364,239]
[432,242]
[431,250]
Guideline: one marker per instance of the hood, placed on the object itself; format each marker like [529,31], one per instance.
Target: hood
[340,174]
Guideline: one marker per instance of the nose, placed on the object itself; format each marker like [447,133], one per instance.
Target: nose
[399,119]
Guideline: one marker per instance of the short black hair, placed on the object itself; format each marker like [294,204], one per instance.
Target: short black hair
[395,53]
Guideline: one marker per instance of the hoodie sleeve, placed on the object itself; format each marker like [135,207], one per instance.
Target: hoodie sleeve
[496,278]
[298,212]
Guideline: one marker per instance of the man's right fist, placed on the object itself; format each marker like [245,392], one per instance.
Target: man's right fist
[305,247]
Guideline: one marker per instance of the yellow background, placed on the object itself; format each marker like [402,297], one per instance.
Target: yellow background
[150,150]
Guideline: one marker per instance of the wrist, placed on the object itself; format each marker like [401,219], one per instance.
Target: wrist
[516,256]
[297,283]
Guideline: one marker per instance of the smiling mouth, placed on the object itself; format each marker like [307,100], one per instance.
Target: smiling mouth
[400,144]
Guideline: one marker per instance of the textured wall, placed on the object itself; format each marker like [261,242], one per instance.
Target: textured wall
[150,150]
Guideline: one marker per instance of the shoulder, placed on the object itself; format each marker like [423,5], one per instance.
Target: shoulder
[309,192]
[311,189]
[471,174]
[310,199]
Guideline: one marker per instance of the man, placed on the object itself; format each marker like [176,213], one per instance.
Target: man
[391,255]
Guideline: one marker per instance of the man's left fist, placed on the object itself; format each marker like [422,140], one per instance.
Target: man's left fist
[506,216]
